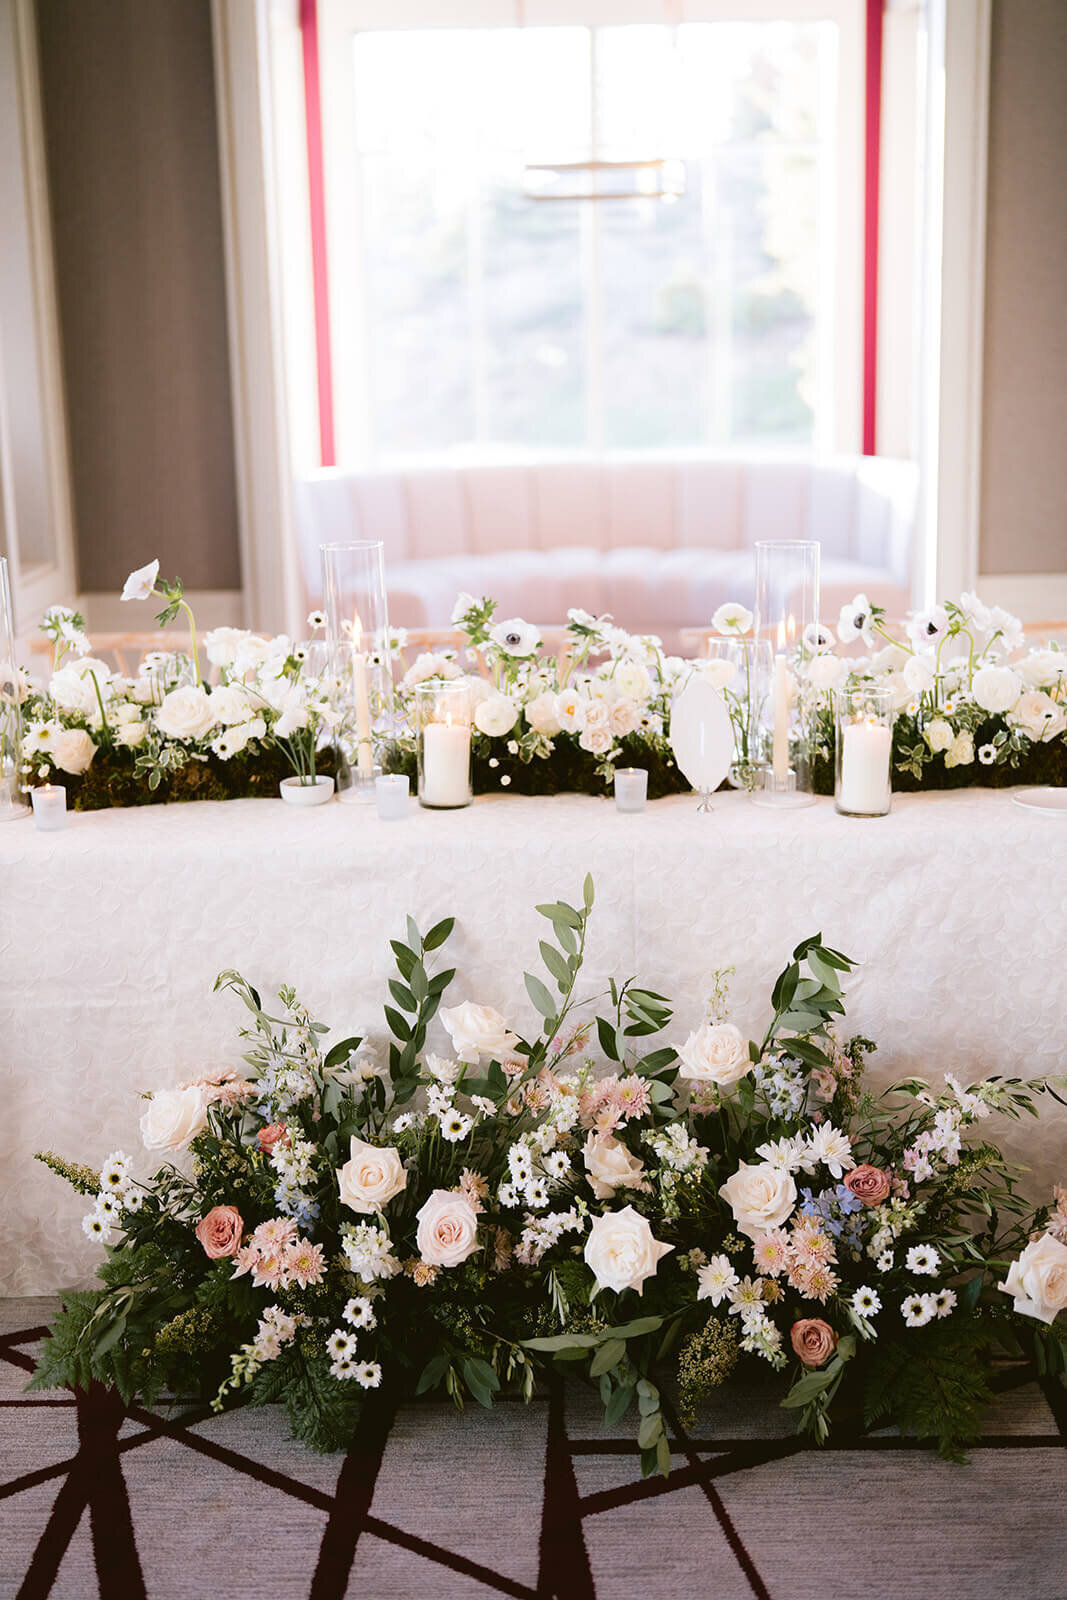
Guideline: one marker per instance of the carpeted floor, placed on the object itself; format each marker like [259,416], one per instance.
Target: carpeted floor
[537,1502]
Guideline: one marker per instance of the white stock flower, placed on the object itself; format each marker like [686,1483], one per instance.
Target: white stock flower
[140,584]
[1038,1280]
[185,714]
[732,618]
[370,1178]
[996,688]
[610,1166]
[516,637]
[715,1053]
[621,1251]
[72,750]
[496,715]
[761,1197]
[477,1031]
[174,1118]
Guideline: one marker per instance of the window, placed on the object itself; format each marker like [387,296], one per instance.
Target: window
[477,312]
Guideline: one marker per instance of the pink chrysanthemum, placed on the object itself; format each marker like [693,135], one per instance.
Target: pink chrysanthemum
[811,1247]
[816,1282]
[633,1097]
[277,1234]
[771,1252]
[304,1263]
[269,1270]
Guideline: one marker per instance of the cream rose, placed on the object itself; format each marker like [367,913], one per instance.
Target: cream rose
[185,714]
[716,1053]
[448,1229]
[541,714]
[761,1197]
[1038,715]
[174,1118]
[496,715]
[939,735]
[370,1177]
[621,1251]
[625,718]
[131,734]
[478,1031]
[597,741]
[230,704]
[610,1166]
[72,750]
[1038,1280]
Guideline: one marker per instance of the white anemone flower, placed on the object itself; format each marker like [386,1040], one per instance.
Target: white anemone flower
[516,638]
[140,584]
[855,622]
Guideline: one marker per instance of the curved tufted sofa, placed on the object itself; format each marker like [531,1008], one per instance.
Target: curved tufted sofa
[657,542]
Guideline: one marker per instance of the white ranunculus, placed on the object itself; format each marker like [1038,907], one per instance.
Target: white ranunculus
[72,750]
[622,1252]
[174,1118]
[477,1031]
[448,1229]
[732,618]
[827,672]
[939,735]
[185,714]
[610,1166]
[230,704]
[918,675]
[625,718]
[222,645]
[715,1053]
[717,671]
[1038,715]
[1038,1280]
[125,712]
[371,1177]
[996,688]
[140,584]
[541,714]
[570,710]
[74,692]
[516,637]
[596,741]
[131,734]
[1042,668]
[633,680]
[761,1197]
[496,715]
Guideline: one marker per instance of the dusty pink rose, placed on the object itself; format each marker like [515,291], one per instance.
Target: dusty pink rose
[220,1232]
[813,1340]
[869,1184]
[274,1133]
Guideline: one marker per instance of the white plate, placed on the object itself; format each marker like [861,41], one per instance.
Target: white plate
[1053,802]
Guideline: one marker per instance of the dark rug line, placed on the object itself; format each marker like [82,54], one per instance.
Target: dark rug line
[1056,1395]
[564,1570]
[353,1494]
[722,1516]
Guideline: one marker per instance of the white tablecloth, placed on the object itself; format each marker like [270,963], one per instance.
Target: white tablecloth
[111,934]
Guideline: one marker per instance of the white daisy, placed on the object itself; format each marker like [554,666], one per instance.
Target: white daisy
[482,1103]
[455,1125]
[94,1226]
[558,1164]
[316,620]
[341,1344]
[945,1302]
[115,1172]
[885,1261]
[360,1313]
[918,1309]
[107,1204]
[132,1199]
[537,1194]
[368,1374]
[403,1122]
[922,1259]
[866,1302]
[343,1367]
[508,1196]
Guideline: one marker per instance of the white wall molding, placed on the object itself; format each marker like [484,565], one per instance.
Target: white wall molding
[1033,596]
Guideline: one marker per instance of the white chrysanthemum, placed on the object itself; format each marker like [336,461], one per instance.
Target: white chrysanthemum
[360,1313]
[716,1280]
[833,1148]
[922,1259]
[866,1302]
[368,1374]
[341,1344]
[918,1309]
[746,1297]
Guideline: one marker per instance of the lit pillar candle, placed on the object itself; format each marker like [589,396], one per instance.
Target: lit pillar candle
[780,746]
[50,807]
[865,751]
[446,758]
[365,755]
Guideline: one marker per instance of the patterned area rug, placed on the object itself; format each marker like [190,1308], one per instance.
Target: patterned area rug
[538,1502]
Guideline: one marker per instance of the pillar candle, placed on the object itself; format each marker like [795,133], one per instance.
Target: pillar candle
[446,764]
[865,751]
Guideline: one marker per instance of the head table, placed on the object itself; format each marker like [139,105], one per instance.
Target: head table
[112,932]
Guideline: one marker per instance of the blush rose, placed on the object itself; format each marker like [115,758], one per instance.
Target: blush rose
[869,1184]
[814,1341]
[220,1232]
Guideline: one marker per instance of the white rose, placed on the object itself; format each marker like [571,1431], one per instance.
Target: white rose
[597,716]
[541,714]
[131,734]
[174,1118]
[185,714]
[230,704]
[496,715]
[621,1251]
[140,584]
[72,750]
[478,1031]
[961,753]
[570,710]
[939,735]
[633,680]
[222,645]
[717,671]
[760,1197]
[125,712]
[597,741]
[1041,668]
[732,618]
[1038,715]
[996,688]
[610,1166]
[448,1229]
[827,672]
[69,691]
[625,718]
[1038,1280]
[716,1053]
[370,1177]
[918,675]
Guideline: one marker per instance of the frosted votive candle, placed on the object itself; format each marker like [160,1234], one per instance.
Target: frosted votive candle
[631,788]
[391,793]
[50,807]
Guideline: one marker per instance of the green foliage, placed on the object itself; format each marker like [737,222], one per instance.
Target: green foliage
[86,1180]
[934,1385]
[705,1362]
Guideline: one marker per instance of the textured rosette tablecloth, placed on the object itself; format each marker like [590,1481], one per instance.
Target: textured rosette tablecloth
[112,932]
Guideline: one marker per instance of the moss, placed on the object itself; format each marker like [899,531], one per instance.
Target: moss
[1042,764]
[113,781]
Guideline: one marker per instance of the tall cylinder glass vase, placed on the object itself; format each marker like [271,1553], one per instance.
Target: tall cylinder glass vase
[14,798]
[750,663]
[357,637]
[786,611]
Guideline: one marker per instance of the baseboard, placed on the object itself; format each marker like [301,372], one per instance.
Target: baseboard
[1032,596]
[212,608]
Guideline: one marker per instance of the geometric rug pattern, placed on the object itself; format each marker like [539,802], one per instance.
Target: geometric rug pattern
[542,1502]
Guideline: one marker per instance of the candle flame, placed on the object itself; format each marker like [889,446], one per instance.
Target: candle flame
[357,630]
[781,635]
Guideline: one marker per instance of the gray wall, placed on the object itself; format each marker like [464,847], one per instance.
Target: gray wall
[1024,433]
[132,149]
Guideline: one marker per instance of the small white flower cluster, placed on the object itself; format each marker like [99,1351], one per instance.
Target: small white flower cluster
[118,1192]
[919,1309]
[341,1346]
[717,1281]
[369,1251]
[294,1161]
[678,1151]
[454,1124]
[535,1168]
[890,1221]
[276,1329]
[541,1233]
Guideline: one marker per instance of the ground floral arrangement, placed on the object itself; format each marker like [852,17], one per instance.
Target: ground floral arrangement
[596,1200]
[971,707]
